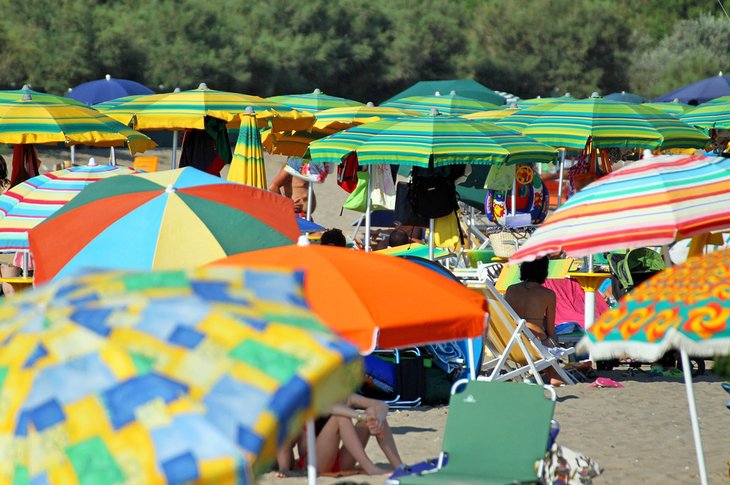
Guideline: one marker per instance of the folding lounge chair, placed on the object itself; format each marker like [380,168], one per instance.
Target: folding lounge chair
[557,268]
[495,434]
[511,342]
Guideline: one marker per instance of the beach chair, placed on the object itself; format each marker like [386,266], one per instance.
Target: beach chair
[145,164]
[495,433]
[516,352]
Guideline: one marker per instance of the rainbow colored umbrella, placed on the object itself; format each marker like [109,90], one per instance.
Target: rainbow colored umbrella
[449,104]
[684,307]
[29,203]
[651,202]
[16,95]
[431,140]
[247,166]
[164,220]
[313,102]
[170,377]
[674,108]
[714,115]
[605,124]
[337,119]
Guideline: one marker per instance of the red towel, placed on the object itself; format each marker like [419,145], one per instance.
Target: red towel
[25,164]
[570,305]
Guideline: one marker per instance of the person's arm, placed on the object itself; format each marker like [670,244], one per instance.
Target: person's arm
[282,179]
[375,411]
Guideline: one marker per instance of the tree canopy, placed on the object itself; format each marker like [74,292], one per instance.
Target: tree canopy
[365,50]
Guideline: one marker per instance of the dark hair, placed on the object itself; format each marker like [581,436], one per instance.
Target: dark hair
[398,237]
[536,271]
[333,237]
[3,172]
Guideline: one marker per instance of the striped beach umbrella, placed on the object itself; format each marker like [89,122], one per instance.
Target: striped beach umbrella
[313,102]
[714,115]
[291,143]
[247,166]
[163,377]
[606,124]
[432,140]
[448,104]
[674,108]
[164,220]
[529,103]
[651,202]
[29,203]
[338,119]
[491,115]
[16,95]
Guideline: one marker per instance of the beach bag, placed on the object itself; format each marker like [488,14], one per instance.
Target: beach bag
[357,200]
[404,213]
[433,197]
[347,171]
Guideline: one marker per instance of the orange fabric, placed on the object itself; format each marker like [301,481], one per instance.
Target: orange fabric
[363,296]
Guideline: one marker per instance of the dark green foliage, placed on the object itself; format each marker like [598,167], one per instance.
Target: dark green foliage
[364,50]
[721,368]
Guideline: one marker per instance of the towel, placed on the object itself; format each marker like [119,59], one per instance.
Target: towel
[570,298]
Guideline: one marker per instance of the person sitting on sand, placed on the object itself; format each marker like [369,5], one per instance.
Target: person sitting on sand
[369,417]
[536,305]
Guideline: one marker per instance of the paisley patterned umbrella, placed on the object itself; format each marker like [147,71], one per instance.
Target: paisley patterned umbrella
[170,377]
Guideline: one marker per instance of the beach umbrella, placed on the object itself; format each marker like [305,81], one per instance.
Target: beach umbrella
[492,115]
[605,124]
[450,104]
[163,377]
[714,115]
[33,122]
[337,119]
[29,203]
[467,88]
[101,90]
[16,95]
[313,102]
[684,307]
[701,91]
[651,202]
[528,103]
[674,107]
[625,97]
[389,302]
[163,220]
[248,166]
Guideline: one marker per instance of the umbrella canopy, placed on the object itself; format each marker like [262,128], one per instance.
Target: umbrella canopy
[606,124]
[467,88]
[371,299]
[170,377]
[337,119]
[313,102]
[528,103]
[164,220]
[674,108]
[431,140]
[101,90]
[701,91]
[450,104]
[248,166]
[651,202]
[29,203]
[291,143]
[714,115]
[16,95]
[625,97]
[492,114]
[29,122]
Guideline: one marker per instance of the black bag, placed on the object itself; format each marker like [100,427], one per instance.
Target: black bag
[433,197]
[403,208]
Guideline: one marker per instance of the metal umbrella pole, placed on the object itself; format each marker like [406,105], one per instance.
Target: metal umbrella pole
[311,453]
[173,162]
[687,371]
[310,192]
[561,162]
[367,216]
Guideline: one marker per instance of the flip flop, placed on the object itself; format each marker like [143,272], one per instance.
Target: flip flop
[726,386]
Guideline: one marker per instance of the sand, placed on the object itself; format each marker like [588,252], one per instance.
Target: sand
[639,434]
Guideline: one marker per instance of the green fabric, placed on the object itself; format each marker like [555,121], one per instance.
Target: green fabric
[500,177]
[357,200]
[93,463]
[467,88]
[161,279]
[216,129]
[279,365]
[495,432]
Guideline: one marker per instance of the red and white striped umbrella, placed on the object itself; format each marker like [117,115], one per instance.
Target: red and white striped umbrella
[651,202]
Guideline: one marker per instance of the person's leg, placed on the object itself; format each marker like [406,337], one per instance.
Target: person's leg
[8,271]
[328,445]
[354,440]
[387,444]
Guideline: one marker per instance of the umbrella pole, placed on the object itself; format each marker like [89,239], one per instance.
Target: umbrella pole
[471,359]
[431,240]
[514,195]
[311,453]
[310,191]
[367,216]
[112,156]
[687,371]
[173,162]
[26,263]
[73,154]
[561,162]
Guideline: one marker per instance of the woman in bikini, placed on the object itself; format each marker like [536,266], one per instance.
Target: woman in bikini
[536,304]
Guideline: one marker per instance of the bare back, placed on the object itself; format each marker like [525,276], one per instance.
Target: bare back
[536,304]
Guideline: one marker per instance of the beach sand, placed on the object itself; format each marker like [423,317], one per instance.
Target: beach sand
[639,434]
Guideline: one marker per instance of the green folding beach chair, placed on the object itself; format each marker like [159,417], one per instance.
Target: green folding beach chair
[496,433]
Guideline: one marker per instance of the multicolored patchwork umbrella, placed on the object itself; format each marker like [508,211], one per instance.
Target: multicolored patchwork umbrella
[338,119]
[606,124]
[29,203]
[449,104]
[313,102]
[431,140]
[651,202]
[170,377]
[164,220]
[713,115]
[247,166]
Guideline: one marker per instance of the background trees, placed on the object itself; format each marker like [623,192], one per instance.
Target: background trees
[365,50]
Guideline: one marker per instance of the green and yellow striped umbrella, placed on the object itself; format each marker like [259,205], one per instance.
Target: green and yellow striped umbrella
[247,166]
[491,115]
[16,95]
[529,103]
[313,102]
[31,122]
[674,108]
[609,124]
[708,116]
[338,119]
[449,104]
[431,140]
[291,143]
